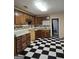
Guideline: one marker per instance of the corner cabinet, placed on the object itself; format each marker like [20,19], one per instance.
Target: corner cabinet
[21,43]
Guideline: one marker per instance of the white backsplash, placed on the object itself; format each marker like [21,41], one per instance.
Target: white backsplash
[46,22]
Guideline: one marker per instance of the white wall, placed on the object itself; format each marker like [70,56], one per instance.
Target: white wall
[61,23]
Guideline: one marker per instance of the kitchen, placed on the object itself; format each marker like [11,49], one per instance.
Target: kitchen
[34,30]
[29,27]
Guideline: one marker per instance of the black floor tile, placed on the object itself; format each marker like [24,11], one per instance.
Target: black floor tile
[40,47]
[30,46]
[52,49]
[43,43]
[57,42]
[37,44]
[51,57]
[45,52]
[62,45]
[36,55]
[23,52]
[27,57]
[53,44]
[58,47]
[60,55]
[32,50]
[47,45]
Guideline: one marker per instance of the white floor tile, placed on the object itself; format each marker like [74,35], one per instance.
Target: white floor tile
[52,53]
[59,50]
[33,44]
[58,44]
[42,45]
[27,49]
[43,57]
[29,54]
[53,46]
[53,42]
[47,49]
[38,51]
[47,43]
[35,47]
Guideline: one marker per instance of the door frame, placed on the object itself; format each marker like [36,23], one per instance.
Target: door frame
[57,19]
[51,24]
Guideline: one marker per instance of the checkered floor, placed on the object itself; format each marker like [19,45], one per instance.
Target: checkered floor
[46,48]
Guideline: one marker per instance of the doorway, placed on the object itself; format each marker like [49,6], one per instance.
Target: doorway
[55,27]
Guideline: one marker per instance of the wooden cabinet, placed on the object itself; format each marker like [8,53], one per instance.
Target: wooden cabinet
[38,34]
[21,18]
[21,43]
[45,33]
[15,50]
[24,41]
[18,18]
[42,33]
[38,20]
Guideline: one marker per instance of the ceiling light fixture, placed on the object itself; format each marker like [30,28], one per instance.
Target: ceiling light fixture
[41,6]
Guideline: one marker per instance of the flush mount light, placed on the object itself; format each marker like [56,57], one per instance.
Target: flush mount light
[41,6]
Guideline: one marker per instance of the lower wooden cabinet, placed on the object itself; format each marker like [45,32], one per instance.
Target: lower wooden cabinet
[42,33]
[21,43]
[24,41]
[45,33]
[37,34]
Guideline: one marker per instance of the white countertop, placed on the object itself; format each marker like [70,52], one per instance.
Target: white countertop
[22,31]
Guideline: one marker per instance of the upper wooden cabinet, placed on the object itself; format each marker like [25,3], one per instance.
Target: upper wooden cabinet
[18,17]
[21,18]
[38,20]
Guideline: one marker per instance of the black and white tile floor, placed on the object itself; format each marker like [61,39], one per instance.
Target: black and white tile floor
[46,48]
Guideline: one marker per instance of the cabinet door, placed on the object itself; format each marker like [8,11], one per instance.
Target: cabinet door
[15,49]
[19,44]
[39,20]
[42,33]
[38,34]
[47,33]
[18,17]
[32,20]
[24,45]
[22,16]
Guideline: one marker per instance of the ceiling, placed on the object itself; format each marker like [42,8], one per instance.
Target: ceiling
[53,6]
